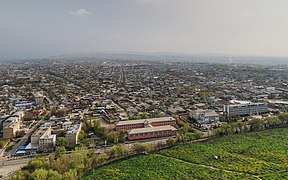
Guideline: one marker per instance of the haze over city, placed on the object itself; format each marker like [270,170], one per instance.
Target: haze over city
[35,28]
[143,89]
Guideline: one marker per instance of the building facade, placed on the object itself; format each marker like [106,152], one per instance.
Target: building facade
[246,109]
[141,123]
[42,132]
[152,132]
[11,129]
[204,116]
[38,97]
[73,133]
[47,143]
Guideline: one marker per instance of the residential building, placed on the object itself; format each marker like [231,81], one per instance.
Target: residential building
[11,129]
[38,97]
[41,133]
[47,143]
[204,116]
[9,120]
[73,133]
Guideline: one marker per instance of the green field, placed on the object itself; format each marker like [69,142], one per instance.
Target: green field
[251,156]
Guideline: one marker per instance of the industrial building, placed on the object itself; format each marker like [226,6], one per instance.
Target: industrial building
[148,128]
[141,123]
[152,132]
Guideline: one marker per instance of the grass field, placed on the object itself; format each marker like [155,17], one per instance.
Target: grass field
[251,156]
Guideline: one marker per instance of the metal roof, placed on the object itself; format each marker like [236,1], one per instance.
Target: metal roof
[152,129]
[139,121]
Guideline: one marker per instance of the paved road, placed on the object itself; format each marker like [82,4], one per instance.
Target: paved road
[9,167]
[26,137]
[5,162]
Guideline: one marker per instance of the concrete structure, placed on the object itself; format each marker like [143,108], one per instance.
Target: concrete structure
[11,129]
[66,125]
[10,120]
[42,132]
[47,143]
[141,123]
[23,104]
[246,109]
[19,115]
[38,97]
[152,132]
[204,116]
[73,133]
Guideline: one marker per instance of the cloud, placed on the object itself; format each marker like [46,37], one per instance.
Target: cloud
[81,12]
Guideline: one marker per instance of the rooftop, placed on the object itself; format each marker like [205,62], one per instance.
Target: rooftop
[152,129]
[142,121]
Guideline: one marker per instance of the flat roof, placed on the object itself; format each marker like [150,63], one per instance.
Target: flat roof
[152,129]
[142,121]
[243,105]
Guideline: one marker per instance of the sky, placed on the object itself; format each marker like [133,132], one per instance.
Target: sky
[52,27]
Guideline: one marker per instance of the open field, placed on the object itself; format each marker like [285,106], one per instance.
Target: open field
[254,155]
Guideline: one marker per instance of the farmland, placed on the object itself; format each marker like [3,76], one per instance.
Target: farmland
[251,156]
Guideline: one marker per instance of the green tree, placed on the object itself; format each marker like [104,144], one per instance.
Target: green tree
[53,175]
[61,133]
[39,174]
[198,134]
[283,117]
[78,159]
[70,175]
[60,151]
[82,135]
[37,163]
[62,141]
[113,151]
[102,158]
[113,137]
[171,141]
[121,135]
[142,148]
[2,144]
[117,151]
[60,164]
[20,175]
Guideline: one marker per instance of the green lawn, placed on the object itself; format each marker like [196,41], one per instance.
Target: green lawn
[259,154]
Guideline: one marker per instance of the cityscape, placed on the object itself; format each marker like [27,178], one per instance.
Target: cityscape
[60,103]
[143,89]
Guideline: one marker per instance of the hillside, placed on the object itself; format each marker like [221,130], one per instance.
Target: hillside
[251,156]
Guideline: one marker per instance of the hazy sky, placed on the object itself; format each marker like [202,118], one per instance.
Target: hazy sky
[49,27]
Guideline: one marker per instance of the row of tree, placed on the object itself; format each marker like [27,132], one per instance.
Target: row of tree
[101,132]
[254,125]
[60,165]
